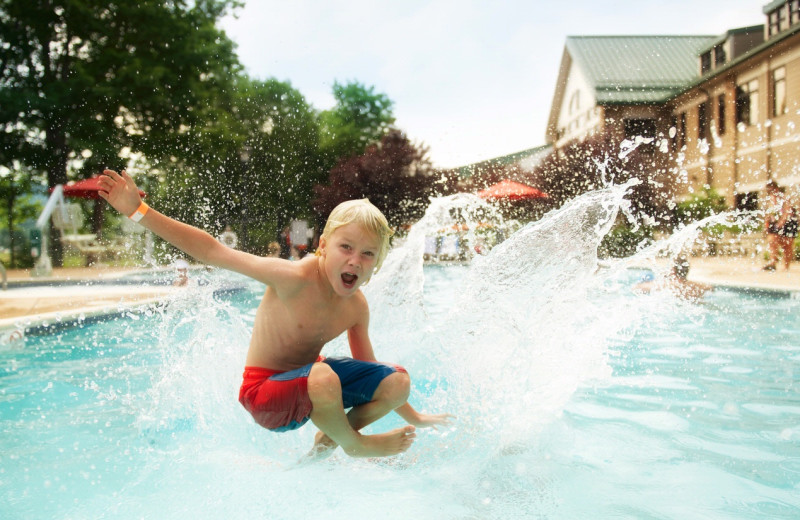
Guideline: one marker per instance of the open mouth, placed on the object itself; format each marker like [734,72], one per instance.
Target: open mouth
[349,279]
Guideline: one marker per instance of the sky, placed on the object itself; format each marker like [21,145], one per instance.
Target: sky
[470,80]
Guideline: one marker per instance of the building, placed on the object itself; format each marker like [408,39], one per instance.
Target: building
[727,105]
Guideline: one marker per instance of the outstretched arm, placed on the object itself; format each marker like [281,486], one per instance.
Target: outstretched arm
[121,192]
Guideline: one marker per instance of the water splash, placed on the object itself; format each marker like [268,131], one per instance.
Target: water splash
[528,324]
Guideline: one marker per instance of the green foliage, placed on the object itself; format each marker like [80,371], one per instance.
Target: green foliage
[394,175]
[595,162]
[82,79]
[699,206]
[17,205]
[360,118]
[156,87]
[623,241]
[254,169]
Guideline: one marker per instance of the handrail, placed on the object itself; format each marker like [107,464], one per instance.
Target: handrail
[43,265]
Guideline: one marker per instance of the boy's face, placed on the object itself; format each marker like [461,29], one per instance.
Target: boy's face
[350,254]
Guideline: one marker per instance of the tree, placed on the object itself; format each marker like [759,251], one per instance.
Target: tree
[361,117]
[82,79]
[394,174]
[254,169]
[18,206]
[582,166]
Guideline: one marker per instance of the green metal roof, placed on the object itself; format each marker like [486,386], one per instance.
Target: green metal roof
[478,167]
[637,69]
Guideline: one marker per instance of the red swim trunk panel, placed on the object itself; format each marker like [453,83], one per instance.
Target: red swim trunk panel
[275,405]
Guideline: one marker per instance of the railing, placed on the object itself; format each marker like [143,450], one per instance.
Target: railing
[43,265]
[729,244]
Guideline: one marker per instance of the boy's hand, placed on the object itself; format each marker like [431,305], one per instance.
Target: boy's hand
[120,191]
[425,420]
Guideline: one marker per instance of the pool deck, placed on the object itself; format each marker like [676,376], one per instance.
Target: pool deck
[65,294]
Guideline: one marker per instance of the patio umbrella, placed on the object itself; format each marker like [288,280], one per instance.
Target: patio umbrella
[89,189]
[510,190]
[86,189]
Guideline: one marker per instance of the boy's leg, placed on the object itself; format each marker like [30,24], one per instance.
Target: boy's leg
[328,415]
[391,393]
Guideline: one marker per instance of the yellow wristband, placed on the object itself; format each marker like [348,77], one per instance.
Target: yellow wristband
[140,212]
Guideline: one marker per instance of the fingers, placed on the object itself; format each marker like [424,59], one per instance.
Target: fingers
[128,179]
[114,175]
[106,183]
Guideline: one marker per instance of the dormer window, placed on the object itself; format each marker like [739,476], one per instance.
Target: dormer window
[705,62]
[719,54]
[786,14]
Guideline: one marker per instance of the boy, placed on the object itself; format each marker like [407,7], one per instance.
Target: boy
[306,304]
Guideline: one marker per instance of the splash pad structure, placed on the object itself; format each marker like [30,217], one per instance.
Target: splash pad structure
[574,397]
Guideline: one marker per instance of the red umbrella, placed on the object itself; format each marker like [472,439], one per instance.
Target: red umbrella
[508,189]
[86,189]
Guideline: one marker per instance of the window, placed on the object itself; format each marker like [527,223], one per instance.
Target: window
[705,62]
[641,127]
[794,12]
[747,103]
[719,54]
[721,114]
[702,121]
[681,137]
[779,92]
[774,23]
[575,102]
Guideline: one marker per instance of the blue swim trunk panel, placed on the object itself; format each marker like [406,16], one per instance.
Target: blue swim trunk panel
[359,379]
[293,374]
[291,426]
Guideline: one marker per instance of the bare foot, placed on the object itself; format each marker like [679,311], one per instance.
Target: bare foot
[383,444]
[323,448]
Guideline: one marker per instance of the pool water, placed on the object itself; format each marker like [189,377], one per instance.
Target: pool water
[574,396]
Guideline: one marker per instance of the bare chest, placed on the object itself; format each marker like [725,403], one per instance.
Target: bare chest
[308,319]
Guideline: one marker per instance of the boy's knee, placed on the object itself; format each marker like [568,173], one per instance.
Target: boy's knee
[396,388]
[323,384]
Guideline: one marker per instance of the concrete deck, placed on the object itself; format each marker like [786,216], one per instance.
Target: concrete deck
[66,294]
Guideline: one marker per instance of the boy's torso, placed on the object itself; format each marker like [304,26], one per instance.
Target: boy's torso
[291,329]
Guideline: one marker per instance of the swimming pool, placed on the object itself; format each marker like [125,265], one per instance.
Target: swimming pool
[575,397]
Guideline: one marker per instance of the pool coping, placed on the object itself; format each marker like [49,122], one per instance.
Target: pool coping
[54,321]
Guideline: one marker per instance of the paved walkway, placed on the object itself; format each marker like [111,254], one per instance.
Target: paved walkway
[744,273]
[32,300]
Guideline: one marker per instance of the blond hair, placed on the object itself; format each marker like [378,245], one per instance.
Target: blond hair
[363,213]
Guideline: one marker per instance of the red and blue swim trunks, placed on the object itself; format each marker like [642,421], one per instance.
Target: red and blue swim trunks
[279,401]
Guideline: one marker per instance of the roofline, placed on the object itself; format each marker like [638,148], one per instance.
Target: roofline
[643,36]
[730,32]
[499,160]
[744,57]
[772,5]
[558,95]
